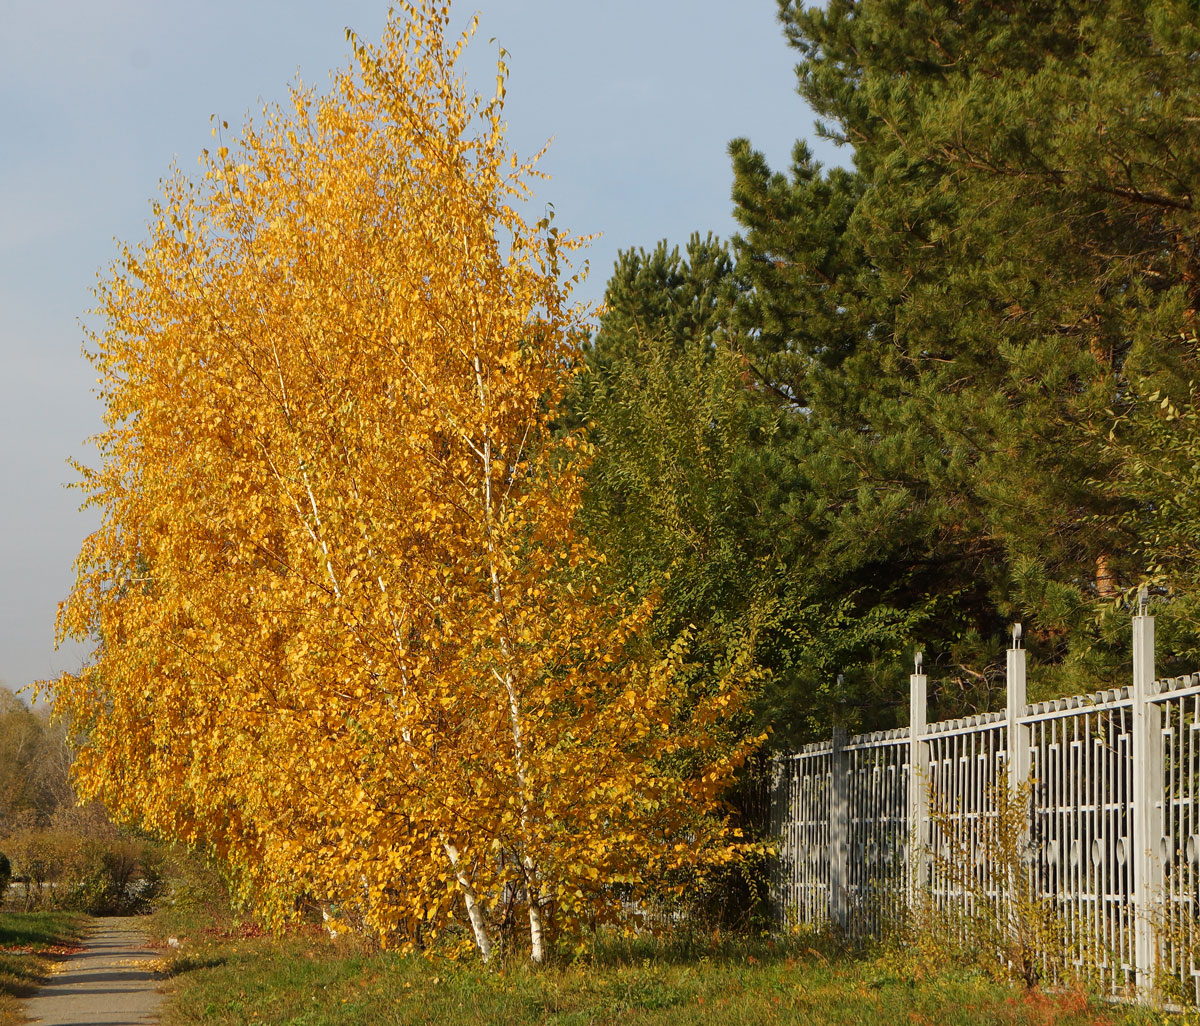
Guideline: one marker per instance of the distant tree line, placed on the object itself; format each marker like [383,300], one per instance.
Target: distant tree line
[35,761]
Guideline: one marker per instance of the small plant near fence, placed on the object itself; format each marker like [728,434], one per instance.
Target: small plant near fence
[990,909]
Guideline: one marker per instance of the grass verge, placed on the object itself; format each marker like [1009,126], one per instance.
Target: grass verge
[29,945]
[234,977]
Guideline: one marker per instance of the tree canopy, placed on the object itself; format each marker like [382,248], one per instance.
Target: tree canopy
[696,491]
[350,636]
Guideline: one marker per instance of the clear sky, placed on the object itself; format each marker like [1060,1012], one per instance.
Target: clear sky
[639,97]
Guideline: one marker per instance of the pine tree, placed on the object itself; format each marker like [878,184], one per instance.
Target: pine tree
[961,315]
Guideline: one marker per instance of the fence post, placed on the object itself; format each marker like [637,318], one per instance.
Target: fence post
[918,780]
[838,832]
[1147,793]
[1018,734]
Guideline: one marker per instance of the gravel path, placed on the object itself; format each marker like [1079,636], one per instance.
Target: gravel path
[109,983]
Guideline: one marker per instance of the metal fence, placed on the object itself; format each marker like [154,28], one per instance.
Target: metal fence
[1107,793]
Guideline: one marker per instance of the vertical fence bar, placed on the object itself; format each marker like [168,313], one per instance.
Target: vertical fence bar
[918,781]
[838,832]
[1018,733]
[1147,794]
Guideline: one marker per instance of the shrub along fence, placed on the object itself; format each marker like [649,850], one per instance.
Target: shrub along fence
[1107,793]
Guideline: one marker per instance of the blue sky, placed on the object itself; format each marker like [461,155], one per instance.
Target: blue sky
[639,100]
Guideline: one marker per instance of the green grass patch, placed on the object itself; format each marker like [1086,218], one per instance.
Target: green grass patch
[311,980]
[29,944]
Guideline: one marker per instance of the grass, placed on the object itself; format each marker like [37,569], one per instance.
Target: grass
[29,943]
[306,979]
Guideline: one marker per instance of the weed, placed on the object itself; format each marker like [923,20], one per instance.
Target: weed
[984,906]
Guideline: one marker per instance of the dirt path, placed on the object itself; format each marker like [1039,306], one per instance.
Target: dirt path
[109,983]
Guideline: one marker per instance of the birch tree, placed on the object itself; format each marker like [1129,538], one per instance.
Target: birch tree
[348,634]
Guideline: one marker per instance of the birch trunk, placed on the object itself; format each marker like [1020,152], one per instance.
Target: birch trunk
[537,932]
[474,910]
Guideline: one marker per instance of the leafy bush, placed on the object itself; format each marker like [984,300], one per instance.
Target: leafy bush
[192,885]
[114,878]
[98,875]
[996,916]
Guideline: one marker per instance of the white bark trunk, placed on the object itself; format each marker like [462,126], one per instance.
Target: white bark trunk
[537,933]
[474,910]
[537,927]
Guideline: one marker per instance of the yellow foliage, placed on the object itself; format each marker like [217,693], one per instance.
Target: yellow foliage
[348,634]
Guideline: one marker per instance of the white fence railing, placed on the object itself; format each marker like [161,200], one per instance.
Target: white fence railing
[1110,837]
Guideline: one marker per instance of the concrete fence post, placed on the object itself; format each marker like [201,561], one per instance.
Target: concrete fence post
[1018,733]
[918,781]
[838,832]
[1147,799]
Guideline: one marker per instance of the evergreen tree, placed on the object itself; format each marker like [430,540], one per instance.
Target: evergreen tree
[958,318]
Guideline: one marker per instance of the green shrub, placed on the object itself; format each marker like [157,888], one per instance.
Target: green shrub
[114,877]
[110,875]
